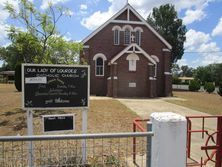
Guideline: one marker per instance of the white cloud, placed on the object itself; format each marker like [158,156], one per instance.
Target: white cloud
[144,7]
[193,15]
[68,12]
[205,48]
[98,18]
[3,17]
[46,3]
[83,7]
[218,29]
[3,32]
[95,20]
[182,62]
[194,39]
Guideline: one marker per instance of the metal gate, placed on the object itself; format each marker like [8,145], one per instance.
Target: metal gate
[204,137]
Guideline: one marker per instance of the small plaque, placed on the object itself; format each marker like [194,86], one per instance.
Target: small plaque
[58,123]
[132,85]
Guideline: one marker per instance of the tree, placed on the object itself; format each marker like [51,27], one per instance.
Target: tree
[209,87]
[176,70]
[194,86]
[218,73]
[41,24]
[220,89]
[41,42]
[186,71]
[18,76]
[25,48]
[166,22]
[209,73]
[64,52]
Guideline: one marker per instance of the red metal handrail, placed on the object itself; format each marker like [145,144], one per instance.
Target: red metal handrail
[137,124]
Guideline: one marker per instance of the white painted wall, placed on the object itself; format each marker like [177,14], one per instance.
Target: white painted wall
[169,141]
[180,87]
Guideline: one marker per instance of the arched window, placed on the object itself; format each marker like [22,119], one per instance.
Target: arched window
[127,36]
[138,37]
[99,64]
[116,35]
[138,31]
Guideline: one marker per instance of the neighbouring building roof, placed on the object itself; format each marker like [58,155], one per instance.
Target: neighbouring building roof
[186,78]
[7,73]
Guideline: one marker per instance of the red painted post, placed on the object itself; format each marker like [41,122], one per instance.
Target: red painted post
[219,143]
[188,137]
[134,144]
[203,127]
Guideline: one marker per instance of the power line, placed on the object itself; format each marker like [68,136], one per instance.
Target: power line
[203,52]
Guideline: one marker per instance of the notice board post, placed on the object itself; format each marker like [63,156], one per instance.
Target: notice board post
[30,133]
[53,87]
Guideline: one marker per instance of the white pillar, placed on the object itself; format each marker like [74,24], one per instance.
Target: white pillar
[169,140]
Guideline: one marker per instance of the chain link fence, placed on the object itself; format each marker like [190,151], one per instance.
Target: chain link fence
[111,150]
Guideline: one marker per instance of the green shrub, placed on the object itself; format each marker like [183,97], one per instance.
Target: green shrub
[194,85]
[18,77]
[209,87]
[220,89]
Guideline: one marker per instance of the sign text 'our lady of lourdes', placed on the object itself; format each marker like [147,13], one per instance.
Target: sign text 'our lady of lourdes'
[55,86]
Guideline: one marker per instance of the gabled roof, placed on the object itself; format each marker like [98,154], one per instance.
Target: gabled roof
[136,49]
[143,22]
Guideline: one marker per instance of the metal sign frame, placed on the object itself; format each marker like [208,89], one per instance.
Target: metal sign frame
[54,108]
[57,115]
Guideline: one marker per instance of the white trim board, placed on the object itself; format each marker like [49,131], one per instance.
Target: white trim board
[126,51]
[143,21]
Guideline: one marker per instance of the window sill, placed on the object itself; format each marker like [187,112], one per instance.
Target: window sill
[99,76]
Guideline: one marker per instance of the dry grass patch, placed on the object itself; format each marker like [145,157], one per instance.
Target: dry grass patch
[201,101]
[103,116]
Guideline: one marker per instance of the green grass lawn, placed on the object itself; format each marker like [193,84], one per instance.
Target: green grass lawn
[201,101]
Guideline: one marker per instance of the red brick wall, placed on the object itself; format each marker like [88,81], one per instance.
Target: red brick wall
[140,77]
[102,42]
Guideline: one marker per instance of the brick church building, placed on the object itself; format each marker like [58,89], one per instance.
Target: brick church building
[128,58]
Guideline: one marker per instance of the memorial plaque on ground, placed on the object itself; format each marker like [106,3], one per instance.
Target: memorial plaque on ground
[52,123]
[55,86]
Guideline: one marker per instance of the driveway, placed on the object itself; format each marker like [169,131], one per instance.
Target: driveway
[144,107]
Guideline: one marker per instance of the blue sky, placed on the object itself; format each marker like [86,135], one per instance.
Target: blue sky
[203,19]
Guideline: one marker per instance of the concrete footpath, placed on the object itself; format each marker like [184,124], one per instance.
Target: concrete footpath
[144,107]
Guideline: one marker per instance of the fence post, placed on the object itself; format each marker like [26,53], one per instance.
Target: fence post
[219,143]
[149,145]
[169,140]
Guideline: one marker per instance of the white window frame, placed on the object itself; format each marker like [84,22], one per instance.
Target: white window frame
[100,66]
[138,37]
[114,29]
[95,58]
[127,36]
[116,37]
